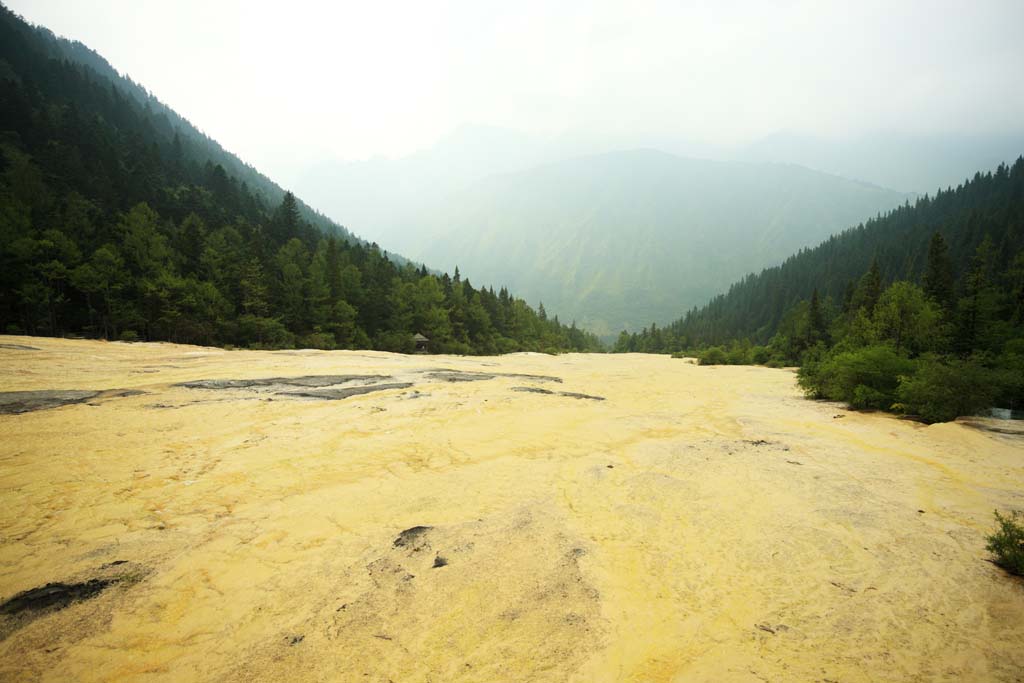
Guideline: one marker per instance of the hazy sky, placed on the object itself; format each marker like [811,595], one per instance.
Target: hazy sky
[284,84]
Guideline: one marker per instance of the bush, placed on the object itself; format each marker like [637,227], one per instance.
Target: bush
[318,340]
[129,336]
[943,390]
[864,378]
[1006,543]
[713,355]
[263,333]
[759,355]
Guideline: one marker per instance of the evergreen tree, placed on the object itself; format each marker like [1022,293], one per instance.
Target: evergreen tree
[938,275]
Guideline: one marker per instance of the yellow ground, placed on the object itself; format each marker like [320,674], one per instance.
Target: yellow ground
[701,524]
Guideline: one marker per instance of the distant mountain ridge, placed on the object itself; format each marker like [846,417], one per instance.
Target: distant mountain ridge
[988,206]
[913,163]
[619,239]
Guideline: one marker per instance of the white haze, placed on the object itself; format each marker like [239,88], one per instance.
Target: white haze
[290,85]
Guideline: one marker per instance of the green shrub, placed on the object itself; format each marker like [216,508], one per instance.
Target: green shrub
[943,390]
[396,342]
[759,355]
[318,340]
[713,355]
[1006,543]
[129,336]
[264,333]
[864,378]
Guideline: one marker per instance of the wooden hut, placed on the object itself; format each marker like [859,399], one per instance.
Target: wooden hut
[422,343]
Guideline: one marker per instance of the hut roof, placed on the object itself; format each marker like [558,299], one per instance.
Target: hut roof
[419,337]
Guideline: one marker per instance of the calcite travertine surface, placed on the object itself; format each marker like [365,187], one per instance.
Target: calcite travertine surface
[361,516]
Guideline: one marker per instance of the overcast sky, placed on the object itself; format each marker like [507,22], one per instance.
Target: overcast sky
[284,84]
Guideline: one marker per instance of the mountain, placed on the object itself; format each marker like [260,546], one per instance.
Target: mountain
[910,163]
[118,219]
[619,239]
[988,208]
[385,197]
[25,49]
[918,312]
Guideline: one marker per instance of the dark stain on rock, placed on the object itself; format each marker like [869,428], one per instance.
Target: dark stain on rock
[304,381]
[56,595]
[338,394]
[570,394]
[17,402]
[452,376]
[567,394]
[410,536]
[533,390]
[439,562]
[470,376]
[19,347]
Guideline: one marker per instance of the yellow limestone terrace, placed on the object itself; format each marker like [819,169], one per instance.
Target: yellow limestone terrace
[174,513]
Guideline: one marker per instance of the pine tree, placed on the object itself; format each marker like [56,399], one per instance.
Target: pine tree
[938,275]
[869,289]
[816,320]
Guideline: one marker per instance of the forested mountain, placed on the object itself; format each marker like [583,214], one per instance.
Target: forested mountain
[988,205]
[119,219]
[619,239]
[24,47]
[920,311]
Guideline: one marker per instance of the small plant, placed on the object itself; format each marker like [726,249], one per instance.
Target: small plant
[1007,542]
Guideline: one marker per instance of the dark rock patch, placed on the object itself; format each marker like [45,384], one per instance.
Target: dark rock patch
[410,536]
[440,562]
[452,376]
[538,378]
[17,402]
[19,347]
[570,394]
[305,381]
[29,605]
[123,393]
[765,442]
[533,390]
[56,595]
[469,376]
[567,394]
[338,394]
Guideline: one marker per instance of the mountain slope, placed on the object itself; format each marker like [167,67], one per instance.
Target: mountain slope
[990,204]
[617,240]
[34,52]
[120,220]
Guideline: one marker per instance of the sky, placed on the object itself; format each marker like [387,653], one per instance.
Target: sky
[285,85]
